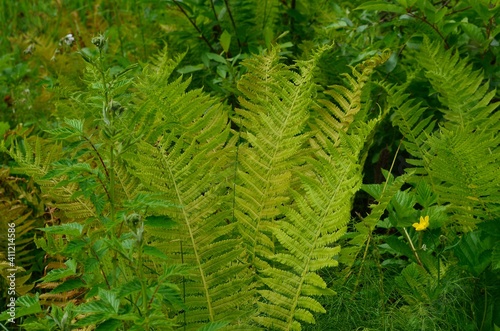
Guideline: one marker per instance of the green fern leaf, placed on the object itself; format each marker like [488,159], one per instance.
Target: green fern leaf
[458,160]
[322,204]
[184,157]
[275,103]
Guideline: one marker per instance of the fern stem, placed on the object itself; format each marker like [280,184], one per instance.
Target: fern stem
[195,247]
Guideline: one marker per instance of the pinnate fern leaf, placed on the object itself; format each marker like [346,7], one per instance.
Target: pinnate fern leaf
[449,157]
[184,158]
[322,204]
[275,107]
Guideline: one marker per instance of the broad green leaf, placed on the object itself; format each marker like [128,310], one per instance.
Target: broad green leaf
[153,251]
[160,222]
[25,305]
[474,32]
[225,40]
[216,57]
[68,229]
[57,274]
[190,68]
[68,285]
[109,325]
[110,298]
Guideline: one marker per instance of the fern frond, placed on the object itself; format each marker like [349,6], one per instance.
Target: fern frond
[21,212]
[322,205]
[463,169]
[461,89]
[458,160]
[254,18]
[33,159]
[156,78]
[275,103]
[185,158]
[413,123]
[335,116]
[306,236]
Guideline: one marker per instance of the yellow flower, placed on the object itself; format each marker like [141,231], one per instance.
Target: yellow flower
[423,224]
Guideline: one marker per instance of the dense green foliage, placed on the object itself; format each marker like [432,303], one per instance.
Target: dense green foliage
[251,165]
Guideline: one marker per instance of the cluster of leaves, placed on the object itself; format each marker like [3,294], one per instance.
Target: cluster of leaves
[160,206]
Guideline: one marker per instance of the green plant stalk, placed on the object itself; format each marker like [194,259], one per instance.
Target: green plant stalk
[413,247]
[111,151]
[111,168]
[193,23]
[142,278]
[233,23]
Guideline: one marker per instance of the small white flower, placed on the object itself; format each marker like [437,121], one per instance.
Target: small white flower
[424,247]
[30,49]
[68,39]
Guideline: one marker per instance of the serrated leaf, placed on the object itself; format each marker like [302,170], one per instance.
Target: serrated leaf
[163,221]
[153,251]
[95,307]
[109,325]
[63,133]
[68,285]
[190,68]
[25,305]
[57,274]
[68,229]
[216,57]
[129,288]
[474,32]
[110,298]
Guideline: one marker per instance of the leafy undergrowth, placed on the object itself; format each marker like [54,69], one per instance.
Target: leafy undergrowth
[250,165]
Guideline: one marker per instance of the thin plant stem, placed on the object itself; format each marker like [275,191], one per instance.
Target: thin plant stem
[233,23]
[193,23]
[213,11]
[433,26]
[413,247]
[98,156]
[142,278]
